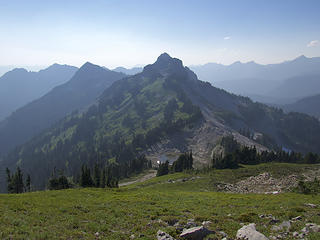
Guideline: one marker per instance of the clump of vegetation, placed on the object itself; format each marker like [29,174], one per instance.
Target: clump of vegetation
[163,169]
[312,187]
[184,162]
[58,182]
[15,182]
[228,161]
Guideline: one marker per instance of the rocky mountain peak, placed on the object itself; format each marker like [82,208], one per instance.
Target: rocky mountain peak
[166,65]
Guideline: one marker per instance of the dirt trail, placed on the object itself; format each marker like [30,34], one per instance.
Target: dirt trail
[149,175]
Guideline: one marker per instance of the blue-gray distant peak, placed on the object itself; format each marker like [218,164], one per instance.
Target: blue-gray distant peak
[164,57]
[89,68]
[17,71]
[165,64]
[131,71]
[88,65]
[301,57]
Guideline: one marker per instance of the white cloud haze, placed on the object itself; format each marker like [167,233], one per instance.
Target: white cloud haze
[313,43]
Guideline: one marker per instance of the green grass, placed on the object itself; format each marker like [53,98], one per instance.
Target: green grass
[137,209]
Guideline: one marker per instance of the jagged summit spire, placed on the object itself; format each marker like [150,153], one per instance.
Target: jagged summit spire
[165,64]
[164,57]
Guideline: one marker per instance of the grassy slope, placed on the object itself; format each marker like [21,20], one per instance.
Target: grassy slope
[136,209]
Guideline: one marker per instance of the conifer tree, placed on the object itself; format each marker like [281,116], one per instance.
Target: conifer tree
[96,175]
[28,183]
[18,184]
[86,179]
[9,181]
[163,169]
[103,180]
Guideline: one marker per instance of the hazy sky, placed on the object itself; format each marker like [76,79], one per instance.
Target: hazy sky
[113,33]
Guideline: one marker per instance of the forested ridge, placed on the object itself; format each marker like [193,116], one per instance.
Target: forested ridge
[131,115]
[139,111]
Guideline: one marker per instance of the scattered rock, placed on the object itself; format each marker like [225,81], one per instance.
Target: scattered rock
[195,233]
[132,236]
[295,234]
[312,227]
[305,230]
[273,221]
[249,232]
[179,227]
[206,223]
[223,234]
[310,205]
[263,183]
[296,219]
[191,223]
[163,236]
[163,223]
[273,192]
[97,234]
[284,226]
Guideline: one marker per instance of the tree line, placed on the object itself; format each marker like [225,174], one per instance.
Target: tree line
[236,154]
[99,176]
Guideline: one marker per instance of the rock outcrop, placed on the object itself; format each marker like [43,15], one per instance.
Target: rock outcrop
[195,233]
[249,232]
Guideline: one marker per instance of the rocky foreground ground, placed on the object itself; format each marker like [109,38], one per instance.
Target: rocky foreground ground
[280,230]
[266,183]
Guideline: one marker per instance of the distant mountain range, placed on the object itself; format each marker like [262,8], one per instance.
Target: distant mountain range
[19,87]
[309,105]
[297,87]
[162,111]
[80,91]
[130,71]
[275,83]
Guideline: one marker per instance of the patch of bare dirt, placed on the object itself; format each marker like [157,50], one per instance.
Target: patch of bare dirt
[143,178]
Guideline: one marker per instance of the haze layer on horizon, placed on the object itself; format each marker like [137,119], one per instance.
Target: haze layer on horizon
[125,33]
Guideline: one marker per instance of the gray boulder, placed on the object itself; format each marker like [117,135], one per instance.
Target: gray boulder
[195,233]
[284,226]
[312,227]
[249,232]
